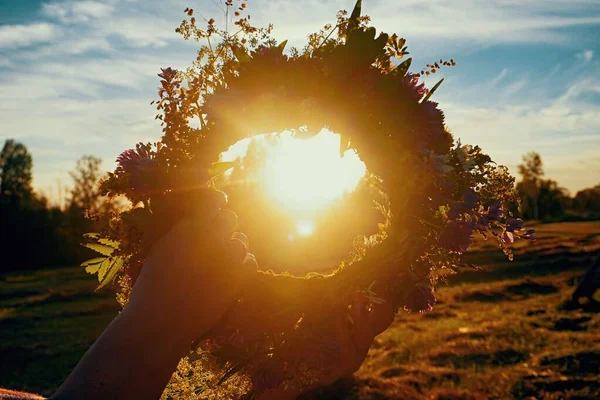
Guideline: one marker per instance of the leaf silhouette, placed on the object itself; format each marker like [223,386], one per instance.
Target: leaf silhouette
[353,21]
[281,46]
[403,68]
[433,89]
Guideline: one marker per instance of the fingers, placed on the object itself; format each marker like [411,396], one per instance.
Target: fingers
[242,237]
[381,317]
[236,250]
[224,225]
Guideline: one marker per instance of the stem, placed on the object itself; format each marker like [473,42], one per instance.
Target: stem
[427,222]
[327,37]
[200,115]
[210,44]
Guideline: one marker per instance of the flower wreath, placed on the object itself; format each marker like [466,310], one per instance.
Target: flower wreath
[438,193]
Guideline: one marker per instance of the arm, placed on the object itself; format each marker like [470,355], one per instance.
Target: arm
[189,280]
[133,358]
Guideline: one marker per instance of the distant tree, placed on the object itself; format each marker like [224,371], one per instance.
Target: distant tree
[85,193]
[540,198]
[553,200]
[532,172]
[15,173]
[587,200]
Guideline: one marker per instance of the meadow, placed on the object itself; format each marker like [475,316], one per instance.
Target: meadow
[498,333]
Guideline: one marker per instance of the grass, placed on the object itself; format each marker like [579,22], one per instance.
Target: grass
[500,333]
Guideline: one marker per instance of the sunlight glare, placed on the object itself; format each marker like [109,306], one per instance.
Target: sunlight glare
[305,227]
[304,175]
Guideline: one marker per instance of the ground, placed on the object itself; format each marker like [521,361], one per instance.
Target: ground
[498,333]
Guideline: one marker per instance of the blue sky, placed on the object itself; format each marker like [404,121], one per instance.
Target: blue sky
[77,77]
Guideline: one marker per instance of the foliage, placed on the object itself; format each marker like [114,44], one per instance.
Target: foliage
[541,198]
[34,233]
[436,192]
[15,173]
[85,193]
[587,200]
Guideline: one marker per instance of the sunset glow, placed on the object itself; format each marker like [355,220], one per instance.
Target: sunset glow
[305,175]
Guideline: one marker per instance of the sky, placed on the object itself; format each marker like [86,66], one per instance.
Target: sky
[77,77]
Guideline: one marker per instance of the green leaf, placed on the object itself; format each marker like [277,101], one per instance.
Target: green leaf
[107,242]
[241,55]
[281,46]
[433,89]
[353,21]
[110,268]
[100,248]
[218,168]
[92,266]
[403,68]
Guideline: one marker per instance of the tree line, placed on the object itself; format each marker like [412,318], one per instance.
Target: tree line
[34,232]
[544,200]
[38,233]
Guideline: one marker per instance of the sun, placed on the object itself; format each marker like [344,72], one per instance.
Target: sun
[303,176]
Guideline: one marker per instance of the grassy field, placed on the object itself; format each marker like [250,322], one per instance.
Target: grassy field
[499,333]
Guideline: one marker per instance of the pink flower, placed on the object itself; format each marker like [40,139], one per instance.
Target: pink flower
[415,89]
[168,73]
[140,164]
[136,160]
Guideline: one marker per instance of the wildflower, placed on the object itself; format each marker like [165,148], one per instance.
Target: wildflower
[136,160]
[494,211]
[167,74]
[514,224]
[415,90]
[508,237]
[433,126]
[140,164]
[529,234]
[471,198]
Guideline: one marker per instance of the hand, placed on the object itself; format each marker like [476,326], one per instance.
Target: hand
[355,340]
[193,274]
[190,278]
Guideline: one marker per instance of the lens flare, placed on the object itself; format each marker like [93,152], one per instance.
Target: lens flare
[304,175]
[305,227]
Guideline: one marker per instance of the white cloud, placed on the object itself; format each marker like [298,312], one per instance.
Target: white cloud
[565,135]
[14,36]
[499,77]
[76,11]
[586,55]
[489,22]
[142,31]
[79,102]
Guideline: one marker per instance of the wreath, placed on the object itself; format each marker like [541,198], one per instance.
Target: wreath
[438,193]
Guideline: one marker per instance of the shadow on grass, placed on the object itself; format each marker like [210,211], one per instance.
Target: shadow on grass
[513,292]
